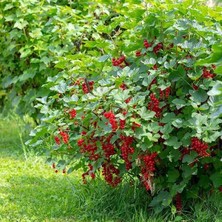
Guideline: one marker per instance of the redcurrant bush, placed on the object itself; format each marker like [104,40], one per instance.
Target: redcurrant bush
[147,112]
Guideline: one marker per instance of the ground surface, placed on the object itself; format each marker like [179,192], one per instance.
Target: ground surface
[31,191]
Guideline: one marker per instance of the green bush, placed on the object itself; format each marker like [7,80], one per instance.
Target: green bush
[144,109]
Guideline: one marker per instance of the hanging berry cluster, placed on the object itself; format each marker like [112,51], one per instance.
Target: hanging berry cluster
[87,86]
[127,150]
[154,105]
[112,120]
[119,61]
[199,147]
[207,74]
[111,174]
[147,169]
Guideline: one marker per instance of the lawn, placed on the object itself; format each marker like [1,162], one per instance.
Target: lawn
[31,191]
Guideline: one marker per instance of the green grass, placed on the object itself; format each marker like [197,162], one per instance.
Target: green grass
[31,191]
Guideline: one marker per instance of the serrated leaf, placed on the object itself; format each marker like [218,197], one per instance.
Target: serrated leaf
[173,141]
[199,95]
[216,178]
[179,103]
[104,58]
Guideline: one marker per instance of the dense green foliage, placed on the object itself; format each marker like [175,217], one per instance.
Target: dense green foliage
[131,90]
[36,36]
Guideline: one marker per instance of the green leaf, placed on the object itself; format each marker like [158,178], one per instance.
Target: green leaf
[70,170]
[188,171]
[163,198]
[216,178]
[172,175]
[146,114]
[20,24]
[189,158]
[199,95]
[104,58]
[173,141]
[216,90]
[148,79]
[27,74]
[218,70]
[61,88]
[168,117]
[179,103]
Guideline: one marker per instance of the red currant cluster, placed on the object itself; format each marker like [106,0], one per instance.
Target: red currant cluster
[119,61]
[88,173]
[199,147]
[146,44]
[195,87]
[112,120]
[86,89]
[72,113]
[122,123]
[80,142]
[128,100]
[138,53]
[158,47]
[83,133]
[108,147]
[123,86]
[57,140]
[89,148]
[147,168]
[178,202]
[154,105]
[207,74]
[65,136]
[127,150]
[111,174]
[155,67]
[164,94]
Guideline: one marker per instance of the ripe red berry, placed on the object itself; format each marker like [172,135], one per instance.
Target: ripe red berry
[57,140]
[138,53]
[72,113]
[65,136]
[195,87]
[158,47]
[207,74]
[119,61]
[123,86]
[146,44]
